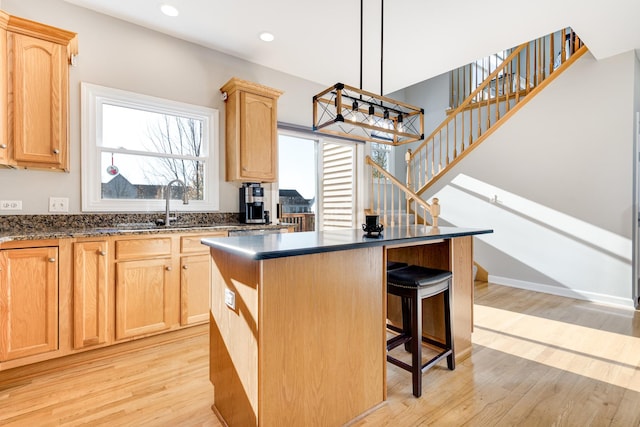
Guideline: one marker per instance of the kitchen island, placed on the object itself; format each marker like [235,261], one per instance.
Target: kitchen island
[297,322]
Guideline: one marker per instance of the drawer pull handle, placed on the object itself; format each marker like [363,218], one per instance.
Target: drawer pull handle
[3,146]
[102,253]
[185,267]
[56,151]
[52,260]
[168,268]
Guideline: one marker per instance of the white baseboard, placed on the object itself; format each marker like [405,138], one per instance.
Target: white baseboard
[626,303]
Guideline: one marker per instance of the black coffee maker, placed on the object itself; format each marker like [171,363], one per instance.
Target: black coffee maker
[252,203]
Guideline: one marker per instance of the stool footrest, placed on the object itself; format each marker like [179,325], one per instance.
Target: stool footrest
[429,364]
[397,340]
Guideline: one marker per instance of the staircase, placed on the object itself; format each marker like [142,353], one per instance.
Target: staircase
[484,95]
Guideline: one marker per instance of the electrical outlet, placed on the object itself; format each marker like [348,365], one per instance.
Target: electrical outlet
[58,204]
[230,298]
[11,205]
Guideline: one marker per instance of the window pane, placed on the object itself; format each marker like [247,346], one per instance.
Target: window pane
[298,181]
[141,130]
[137,144]
[126,176]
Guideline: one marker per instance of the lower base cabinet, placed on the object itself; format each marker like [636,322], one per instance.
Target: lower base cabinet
[90,293]
[195,288]
[143,297]
[64,296]
[28,302]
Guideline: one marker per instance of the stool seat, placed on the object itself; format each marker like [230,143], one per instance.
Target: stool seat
[414,276]
[392,265]
[412,284]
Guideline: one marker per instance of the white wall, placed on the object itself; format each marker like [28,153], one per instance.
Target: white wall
[562,169]
[634,220]
[125,56]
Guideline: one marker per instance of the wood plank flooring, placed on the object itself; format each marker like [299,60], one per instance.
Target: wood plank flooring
[538,360]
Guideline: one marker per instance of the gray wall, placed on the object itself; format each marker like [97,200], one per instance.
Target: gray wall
[562,169]
[125,56]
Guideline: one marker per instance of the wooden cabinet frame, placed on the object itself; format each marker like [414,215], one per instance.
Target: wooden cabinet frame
[251,131]
[34,94]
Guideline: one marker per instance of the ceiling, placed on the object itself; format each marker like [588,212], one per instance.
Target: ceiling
[320,40]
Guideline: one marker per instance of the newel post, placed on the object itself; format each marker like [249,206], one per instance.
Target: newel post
[435,211]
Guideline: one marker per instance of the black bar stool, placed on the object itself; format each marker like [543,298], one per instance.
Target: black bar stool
[413,284]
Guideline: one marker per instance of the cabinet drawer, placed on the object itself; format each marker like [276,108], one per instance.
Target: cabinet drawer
[138,248]
[191,243]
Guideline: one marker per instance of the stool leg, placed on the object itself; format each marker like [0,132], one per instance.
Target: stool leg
[406,320]
[451,359]
[416,345]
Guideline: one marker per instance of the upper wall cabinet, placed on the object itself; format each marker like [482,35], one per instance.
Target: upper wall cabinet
[251,131]
[34,94]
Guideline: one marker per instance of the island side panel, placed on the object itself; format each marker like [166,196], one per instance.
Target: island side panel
[454,255]
[322,317]
[462,267]
[233,366]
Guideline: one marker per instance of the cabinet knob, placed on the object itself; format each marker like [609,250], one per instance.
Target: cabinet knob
[168,268]
[3,146]
[56,151]
[52,260]
[102,253]
[185,267]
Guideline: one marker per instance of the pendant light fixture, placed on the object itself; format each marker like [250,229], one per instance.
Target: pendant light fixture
[354,113]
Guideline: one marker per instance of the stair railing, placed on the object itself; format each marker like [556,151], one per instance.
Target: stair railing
[388,206]
[527,69]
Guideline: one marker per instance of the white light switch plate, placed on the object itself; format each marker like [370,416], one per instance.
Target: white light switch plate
[58,204]
[230,298]
[10,205]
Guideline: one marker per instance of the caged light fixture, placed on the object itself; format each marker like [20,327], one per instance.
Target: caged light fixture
[354,113]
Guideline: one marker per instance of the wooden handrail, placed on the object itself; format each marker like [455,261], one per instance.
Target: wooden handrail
[433,208]
[476,117]
[470,97]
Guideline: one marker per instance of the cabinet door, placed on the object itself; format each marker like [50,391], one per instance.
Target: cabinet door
[4,114]
[39,100]
[143,297]
[258,149]
[28,302]
[90,293]
[195,285]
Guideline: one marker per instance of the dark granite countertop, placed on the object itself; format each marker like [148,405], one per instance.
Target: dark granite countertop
[292,244]
[76,226]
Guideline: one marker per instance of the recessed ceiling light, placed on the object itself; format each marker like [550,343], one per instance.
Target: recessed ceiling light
[266,36]
[169,10]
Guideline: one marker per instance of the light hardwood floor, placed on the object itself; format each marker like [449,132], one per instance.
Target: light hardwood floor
[538,360]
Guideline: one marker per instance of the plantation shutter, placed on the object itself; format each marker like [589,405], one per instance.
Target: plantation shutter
[338,185]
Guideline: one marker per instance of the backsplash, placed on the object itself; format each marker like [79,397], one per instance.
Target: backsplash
[79,221]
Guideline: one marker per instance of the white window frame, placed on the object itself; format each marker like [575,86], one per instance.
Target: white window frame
[93,98]
[358,173]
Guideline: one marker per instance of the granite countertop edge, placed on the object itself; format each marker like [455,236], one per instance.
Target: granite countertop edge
[68,233]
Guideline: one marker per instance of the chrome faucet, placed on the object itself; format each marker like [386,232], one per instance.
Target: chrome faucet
[167,197]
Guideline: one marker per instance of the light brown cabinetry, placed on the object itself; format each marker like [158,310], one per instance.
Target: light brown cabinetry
[145,286]
[28,302]
[251,131]
[195,278]
[64,296]
[35,91]
[90,293]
